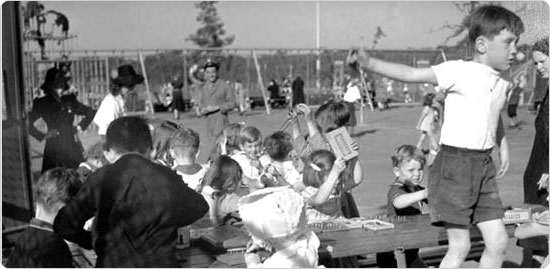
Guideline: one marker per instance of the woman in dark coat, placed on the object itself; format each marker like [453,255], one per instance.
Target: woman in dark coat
[537,167]
[63,147]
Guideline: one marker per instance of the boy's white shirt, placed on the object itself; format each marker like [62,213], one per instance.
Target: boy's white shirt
[475,96]
[246,165]
[111,108]
[193,181]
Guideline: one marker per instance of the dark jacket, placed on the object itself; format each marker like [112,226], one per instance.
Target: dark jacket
[40,247]
[298,91]
[138,206]
[65,149]
[538,161]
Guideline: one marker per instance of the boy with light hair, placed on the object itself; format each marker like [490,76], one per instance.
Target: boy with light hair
[462,187]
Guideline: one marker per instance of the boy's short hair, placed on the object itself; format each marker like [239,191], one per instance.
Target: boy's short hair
[405,153]
[541,45]
[95,152]
[278,145]
[249,134]
[489,20]
[128,134]
[161,132]
[55,186]
[185,142]
[231,133]
[332,115]
[224,173]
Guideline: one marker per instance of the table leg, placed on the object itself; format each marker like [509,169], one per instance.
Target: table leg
[399,254]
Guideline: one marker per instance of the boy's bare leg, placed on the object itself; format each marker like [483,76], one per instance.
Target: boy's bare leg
[495,238]
[459,246]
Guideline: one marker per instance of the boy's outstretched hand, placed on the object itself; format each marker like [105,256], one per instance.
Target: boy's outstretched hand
[352,57]
[357,56]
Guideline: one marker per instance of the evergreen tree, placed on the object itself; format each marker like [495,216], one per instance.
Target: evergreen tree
[211,33]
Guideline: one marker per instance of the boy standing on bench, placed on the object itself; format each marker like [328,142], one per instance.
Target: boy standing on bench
[462,187]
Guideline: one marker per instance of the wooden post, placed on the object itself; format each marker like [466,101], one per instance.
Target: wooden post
[260,80]
[184,77]
[142,62]
[107,80]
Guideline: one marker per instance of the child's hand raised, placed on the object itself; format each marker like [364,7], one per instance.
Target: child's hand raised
[303,108]
[339,165]
[354,145]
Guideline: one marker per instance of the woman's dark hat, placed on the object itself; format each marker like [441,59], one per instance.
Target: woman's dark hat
[55,78]
[211,63]
[127,76]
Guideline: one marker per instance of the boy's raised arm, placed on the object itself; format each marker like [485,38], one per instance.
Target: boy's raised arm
[392,70]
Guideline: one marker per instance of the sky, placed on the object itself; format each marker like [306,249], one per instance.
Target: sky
[281,24]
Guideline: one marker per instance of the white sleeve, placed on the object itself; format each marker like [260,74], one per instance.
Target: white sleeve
[446,74]
[105,114]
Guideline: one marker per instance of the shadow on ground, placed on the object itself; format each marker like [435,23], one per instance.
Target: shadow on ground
[362,133]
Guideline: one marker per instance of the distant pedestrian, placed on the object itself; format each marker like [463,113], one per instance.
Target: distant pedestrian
[177,97]
[513,98]
[298,96]
[242,97]
[216,99]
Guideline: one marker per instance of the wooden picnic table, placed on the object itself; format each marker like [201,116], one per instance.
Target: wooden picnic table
[409,232]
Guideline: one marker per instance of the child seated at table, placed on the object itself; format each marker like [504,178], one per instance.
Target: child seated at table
[161,131]
[324,188]
[250,145]
[405,198]
[184,149]
[38,245]
[280,155]
[328,117]
[221,189]
[94,160]
[276,221]
[227,142]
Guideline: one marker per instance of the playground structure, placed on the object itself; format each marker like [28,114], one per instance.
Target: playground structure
[253,67]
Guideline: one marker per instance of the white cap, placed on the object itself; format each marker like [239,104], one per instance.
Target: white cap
[273,213]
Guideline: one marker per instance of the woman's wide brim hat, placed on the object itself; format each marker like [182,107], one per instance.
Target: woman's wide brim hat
[127,76]
[273,213]
[55,79]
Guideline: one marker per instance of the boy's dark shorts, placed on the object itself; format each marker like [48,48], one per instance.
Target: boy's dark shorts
[462,187]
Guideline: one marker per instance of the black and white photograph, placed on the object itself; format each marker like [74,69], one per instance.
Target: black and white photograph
[244,134]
